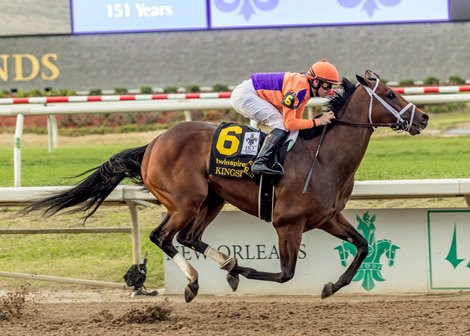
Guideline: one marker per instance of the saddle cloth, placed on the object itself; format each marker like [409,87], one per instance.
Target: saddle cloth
[234,148]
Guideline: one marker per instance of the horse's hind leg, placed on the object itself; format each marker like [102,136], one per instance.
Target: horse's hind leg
[163,236]
[341,228]
[289,239]
[191,236]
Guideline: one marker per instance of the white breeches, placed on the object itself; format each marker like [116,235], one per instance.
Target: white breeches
[246,101]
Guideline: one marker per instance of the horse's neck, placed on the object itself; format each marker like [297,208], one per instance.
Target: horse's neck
[350,143]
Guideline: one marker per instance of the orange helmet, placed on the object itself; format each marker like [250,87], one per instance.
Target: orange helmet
[324,71]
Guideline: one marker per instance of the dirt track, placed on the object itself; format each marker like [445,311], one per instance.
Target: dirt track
[113,313]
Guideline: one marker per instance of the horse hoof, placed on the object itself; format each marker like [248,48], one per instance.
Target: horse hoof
[190,291]
[233,281]
[327,290]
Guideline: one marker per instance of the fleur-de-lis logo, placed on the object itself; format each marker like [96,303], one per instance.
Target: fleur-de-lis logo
[369,5]
[370,269]
[251,140]
[246,9]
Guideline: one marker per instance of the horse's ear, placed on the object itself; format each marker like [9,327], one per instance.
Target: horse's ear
[369,74]
[362,80]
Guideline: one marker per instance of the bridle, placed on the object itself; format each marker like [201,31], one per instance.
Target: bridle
[401,124]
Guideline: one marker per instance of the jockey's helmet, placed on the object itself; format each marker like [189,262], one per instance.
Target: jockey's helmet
[324,71]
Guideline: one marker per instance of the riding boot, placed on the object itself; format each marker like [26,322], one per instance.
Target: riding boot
[269,146]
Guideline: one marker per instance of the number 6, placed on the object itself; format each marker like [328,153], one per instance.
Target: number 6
[233,141]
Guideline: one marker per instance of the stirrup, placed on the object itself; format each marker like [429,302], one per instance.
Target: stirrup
[277,166]
[261,168]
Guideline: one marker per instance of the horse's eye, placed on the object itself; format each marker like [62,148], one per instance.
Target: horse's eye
[391,95]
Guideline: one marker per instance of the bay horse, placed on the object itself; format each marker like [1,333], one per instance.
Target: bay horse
[174,168]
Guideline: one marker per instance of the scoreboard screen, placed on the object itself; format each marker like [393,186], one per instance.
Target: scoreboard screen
[104,16]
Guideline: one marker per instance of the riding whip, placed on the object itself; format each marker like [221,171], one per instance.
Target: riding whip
[309,176]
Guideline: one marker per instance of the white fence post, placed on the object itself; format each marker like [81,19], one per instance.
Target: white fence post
[136,255]
[17,149]
[187,115]
[52,132]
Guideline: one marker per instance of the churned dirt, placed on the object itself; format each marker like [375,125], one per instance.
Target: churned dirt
[115,313]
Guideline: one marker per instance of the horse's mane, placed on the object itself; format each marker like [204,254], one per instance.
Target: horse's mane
[340,97]
[334,104]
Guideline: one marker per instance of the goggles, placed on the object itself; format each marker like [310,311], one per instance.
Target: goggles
[326,86]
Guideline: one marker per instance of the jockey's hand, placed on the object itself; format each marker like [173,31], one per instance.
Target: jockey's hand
[324,118]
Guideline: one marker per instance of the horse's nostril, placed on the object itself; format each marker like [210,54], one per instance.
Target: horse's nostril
[425,118]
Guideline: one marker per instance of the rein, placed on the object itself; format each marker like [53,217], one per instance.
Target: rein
[397,125]
[309,176]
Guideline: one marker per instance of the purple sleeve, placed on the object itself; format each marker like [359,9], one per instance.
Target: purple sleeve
[268,81]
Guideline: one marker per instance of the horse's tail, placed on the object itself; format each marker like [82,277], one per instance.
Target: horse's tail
[88,195]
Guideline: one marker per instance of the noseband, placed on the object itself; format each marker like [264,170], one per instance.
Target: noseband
[401,123]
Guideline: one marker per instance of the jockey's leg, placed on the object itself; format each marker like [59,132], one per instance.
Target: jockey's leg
[248,103]
[260,165]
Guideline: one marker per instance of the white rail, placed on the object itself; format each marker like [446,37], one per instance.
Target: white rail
[133,196]
[179,105]
[52,109]
[363,190]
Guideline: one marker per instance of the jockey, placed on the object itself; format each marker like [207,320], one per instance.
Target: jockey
[278,100]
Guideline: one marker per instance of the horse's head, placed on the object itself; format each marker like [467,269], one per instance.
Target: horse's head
[387,106]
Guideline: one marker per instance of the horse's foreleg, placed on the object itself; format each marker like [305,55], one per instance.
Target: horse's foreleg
[290,237]
[163,236]
[341,228]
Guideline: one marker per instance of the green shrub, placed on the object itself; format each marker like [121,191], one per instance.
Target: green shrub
[120,91]
[193,88]
[220,88]
[61,92]
[146,89]
[35,93]
[170,89]
[67,92]
[22,94]
[407,82]
[431,81]
[456,80]
[95,92]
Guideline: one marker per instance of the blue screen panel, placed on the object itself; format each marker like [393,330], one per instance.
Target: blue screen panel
[95,16]
[278,13]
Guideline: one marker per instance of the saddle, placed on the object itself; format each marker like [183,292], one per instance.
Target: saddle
[234,148]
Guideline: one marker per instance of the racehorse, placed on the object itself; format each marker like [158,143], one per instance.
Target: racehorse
[174,168]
